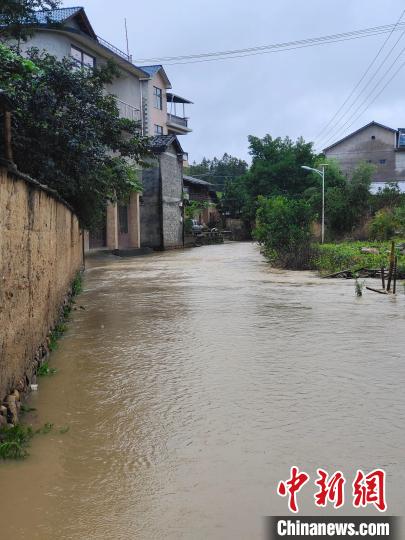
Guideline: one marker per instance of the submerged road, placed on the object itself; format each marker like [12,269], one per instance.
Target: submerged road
[191,383]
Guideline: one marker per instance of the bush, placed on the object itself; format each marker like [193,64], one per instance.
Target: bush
[384,225]
[332,258]
[283,228]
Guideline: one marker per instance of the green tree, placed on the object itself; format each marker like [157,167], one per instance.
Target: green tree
[219,171]
[389,196]
[17,17]
[347,200]
[283,228]
[67,132]
[277,166]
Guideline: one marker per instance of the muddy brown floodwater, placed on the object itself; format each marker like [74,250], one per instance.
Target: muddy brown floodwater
[191,383]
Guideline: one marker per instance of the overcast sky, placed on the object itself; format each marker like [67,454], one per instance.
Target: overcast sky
[290,93]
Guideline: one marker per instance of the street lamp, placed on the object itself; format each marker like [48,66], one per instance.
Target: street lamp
[321,173]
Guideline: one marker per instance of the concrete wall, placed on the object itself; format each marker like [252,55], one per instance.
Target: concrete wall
[150,209]
[172,196]
[362,147]
[160,210]
[40,254]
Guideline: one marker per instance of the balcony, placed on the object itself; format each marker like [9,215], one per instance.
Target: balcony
[177,123]
[177,120]
[128,111]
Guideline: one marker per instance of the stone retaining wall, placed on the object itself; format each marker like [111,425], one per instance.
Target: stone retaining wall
[41,251]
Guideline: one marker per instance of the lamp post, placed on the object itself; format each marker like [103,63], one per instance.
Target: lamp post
[321,173]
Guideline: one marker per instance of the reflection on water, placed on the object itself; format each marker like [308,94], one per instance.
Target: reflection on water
[191,383]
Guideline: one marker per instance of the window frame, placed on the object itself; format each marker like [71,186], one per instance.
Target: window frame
[82,53]
[158,98]
[158,129]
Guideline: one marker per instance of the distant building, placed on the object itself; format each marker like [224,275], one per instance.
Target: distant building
[142,95]
[201,191]
[379,145]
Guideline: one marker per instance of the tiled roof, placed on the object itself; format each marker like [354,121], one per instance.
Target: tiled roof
[151,70]
[56,15]
[193,180]
[159,143]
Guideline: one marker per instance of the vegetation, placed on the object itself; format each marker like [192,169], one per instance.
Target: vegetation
[14,441]
[219,171]
[347,200]
[331,258]
[358,287]
[45,371]
[17,17]
[283,228]
[77,142]
[388,223]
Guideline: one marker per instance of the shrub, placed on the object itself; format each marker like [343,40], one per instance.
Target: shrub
[283,228]
[384,225]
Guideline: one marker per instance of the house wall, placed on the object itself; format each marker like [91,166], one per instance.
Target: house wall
[361,147]
[150,209]
[40,253]
[156,116]
[161,202]
[172,197]
[126,87]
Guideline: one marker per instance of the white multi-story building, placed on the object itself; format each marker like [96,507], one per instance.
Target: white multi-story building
[143,94]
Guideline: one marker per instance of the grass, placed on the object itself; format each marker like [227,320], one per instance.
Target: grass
[333,258]
[14,441]
[45,371]
[61,327]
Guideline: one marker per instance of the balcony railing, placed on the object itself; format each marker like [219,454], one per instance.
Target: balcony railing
[114,49]
[128,111]
[178,120]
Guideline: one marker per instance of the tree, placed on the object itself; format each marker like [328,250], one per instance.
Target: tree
[17,17]
[277,166]
[219,171]
[347,200]
[67,132]
[389,196]
[283,228]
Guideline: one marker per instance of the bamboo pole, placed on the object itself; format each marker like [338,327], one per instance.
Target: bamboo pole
[376,290]
[383,277]
[392,263]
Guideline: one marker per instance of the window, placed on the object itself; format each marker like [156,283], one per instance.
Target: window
[158,97]
[373,137]
[158,130]
[81,58]
[383,161]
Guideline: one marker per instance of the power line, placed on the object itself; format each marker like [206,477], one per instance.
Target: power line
[336,129]
[362,78]
[378,95]
[347,124]
[277,47]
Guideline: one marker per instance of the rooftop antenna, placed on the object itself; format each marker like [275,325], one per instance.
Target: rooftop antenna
[126,37]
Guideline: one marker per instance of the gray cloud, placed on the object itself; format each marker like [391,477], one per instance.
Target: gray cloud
[291,93]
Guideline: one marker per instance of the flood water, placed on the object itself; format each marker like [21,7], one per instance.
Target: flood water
[191,382]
